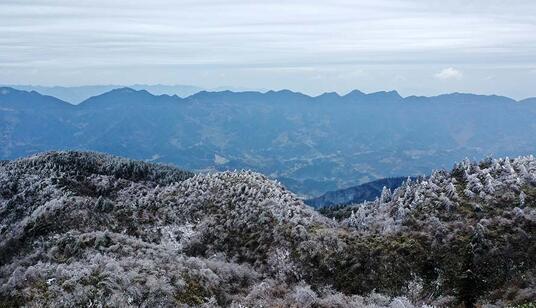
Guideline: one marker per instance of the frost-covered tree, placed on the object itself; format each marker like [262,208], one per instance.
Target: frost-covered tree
[81,229]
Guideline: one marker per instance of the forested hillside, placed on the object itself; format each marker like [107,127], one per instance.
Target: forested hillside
[87,229]
[310,144]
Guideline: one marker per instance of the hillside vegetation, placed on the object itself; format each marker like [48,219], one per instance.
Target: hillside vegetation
[86,229]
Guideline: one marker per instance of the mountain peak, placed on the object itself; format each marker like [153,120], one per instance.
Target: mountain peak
[30,99]
[392,94]
[125,90]
[283,91]
[354,93]
[328,95]
[125,95]
[470,97]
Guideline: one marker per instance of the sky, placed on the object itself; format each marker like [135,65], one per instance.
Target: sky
[416,47]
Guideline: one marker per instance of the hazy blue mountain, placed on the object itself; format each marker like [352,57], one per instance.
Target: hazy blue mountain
[531,100]
[311,144]
[31,100]
[357,194]
[76,95]
[31,122]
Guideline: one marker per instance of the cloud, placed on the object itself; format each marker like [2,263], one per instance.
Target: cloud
[449,74]
[263,44]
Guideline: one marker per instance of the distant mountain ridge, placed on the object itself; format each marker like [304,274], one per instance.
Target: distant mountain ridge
[311,144]
[78,94]
[357,194]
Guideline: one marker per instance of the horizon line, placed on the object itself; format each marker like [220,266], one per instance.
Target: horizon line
[235,91]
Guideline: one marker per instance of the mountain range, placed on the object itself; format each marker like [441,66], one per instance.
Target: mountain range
[77,94]
[310,144]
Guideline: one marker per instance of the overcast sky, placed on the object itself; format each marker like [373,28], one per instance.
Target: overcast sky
[416,47]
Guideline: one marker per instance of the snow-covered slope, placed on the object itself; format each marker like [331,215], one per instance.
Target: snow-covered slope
[79,229]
